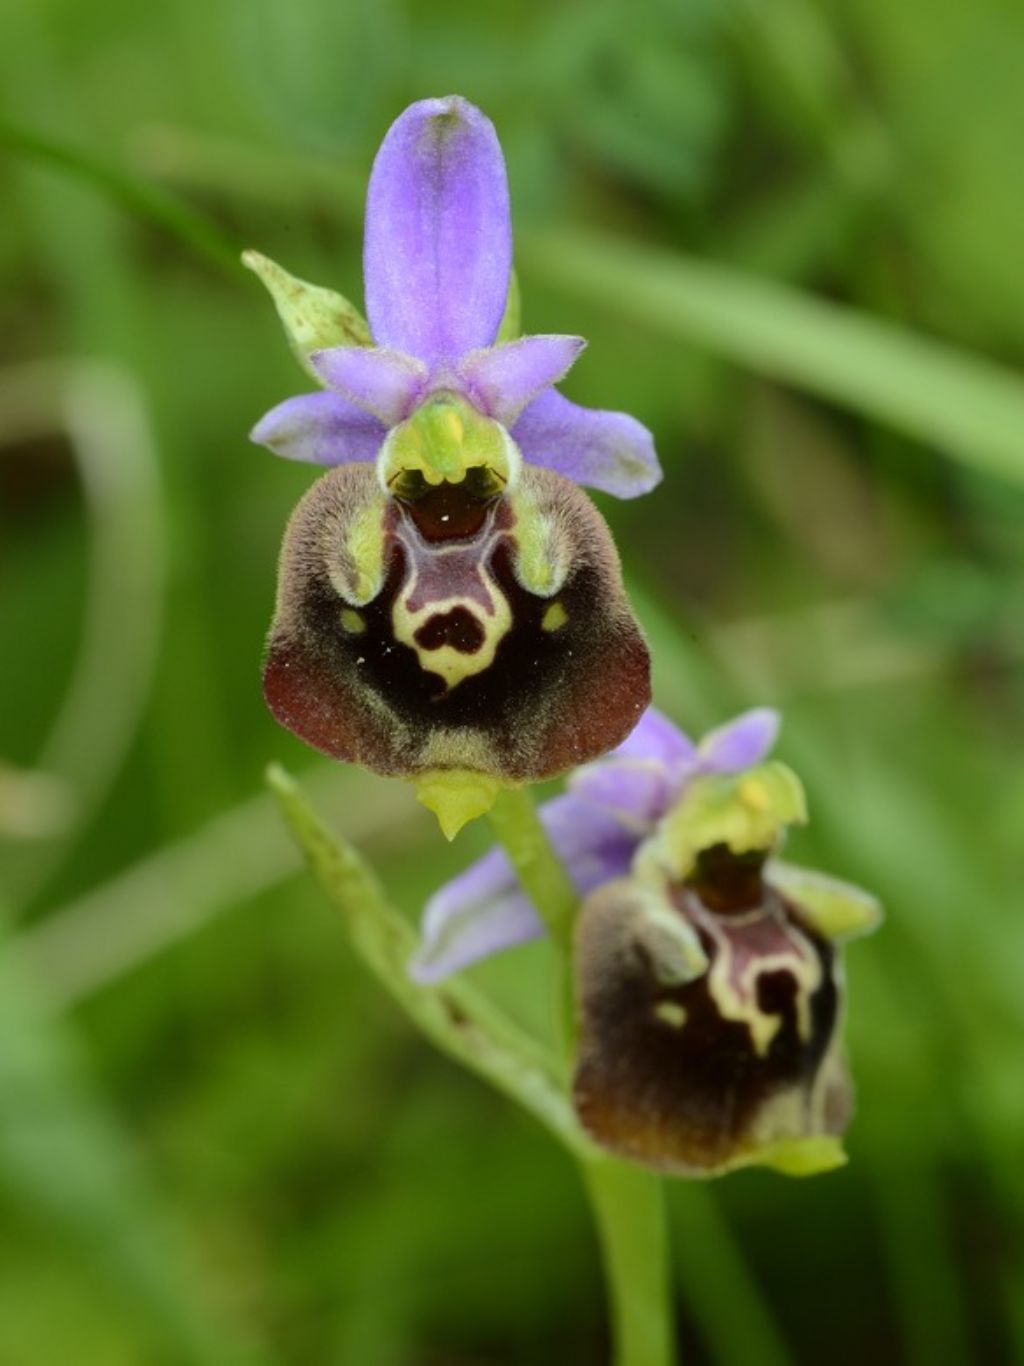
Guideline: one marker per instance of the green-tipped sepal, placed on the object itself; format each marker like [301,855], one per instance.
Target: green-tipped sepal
[313,317]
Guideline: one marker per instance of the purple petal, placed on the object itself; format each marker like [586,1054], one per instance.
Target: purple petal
[438,247]
[637,791]
[740,743]
[504,380]
[483,910]
[384,382]
[655,737]
[476,914]
[608,451]
[640,779]
[321,428]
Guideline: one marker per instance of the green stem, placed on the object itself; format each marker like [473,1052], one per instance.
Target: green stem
[628,1208]
[627,1202]
[519,831]
[518,828]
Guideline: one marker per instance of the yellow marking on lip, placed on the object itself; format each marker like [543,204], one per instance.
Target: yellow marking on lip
[554,618]
[739,1000]
[364,542]
[453,665]
[671,1013]
[352,622]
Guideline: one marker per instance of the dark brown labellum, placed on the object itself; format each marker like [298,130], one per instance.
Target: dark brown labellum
[694,1076]
[453,626]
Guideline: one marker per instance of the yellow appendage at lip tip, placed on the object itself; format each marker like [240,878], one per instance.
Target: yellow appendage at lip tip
[804,1156]
[456,797]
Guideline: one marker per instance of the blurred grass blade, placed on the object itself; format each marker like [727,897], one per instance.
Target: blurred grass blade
[732,1314]
[99,407]
[236,856]
[930,1296]
[452,1015]
[138,197]
[62,1157]
[966,405]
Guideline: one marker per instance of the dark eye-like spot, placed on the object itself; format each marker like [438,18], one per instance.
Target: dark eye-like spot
[776,991]
[458,629]
[728,882]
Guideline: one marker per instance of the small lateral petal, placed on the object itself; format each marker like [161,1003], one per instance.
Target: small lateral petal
[602,450]
[438,243]
[655,737]
[503,380]
[741,743]
[642,777]
[836,909]
[320,429]
[385,383]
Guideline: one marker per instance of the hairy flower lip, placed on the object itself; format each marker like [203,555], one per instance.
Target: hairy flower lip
[700,1074]
[373,657]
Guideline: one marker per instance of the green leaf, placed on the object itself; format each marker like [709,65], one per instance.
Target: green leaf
[454,1017]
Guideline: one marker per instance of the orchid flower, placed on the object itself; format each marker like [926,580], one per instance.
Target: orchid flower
[710,990]
[708,971]
[449,602]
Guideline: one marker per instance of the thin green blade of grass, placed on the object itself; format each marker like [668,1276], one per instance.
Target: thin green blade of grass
[136,196]
[967,406]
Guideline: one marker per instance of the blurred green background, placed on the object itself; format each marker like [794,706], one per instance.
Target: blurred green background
[792,233]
